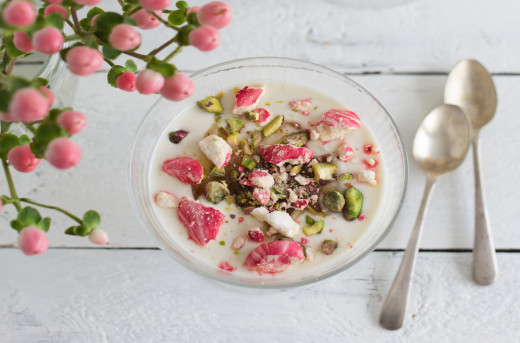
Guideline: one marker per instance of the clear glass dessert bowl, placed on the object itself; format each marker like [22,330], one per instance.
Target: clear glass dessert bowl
[266,70]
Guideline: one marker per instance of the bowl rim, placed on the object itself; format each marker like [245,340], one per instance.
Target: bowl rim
[233,282]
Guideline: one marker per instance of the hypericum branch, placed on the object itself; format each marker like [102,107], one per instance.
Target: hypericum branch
[56,208]
[163,21]
[10,183]
[162,47]
[173,53]
[74,15]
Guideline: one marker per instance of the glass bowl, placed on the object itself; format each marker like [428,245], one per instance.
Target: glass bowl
[275,70]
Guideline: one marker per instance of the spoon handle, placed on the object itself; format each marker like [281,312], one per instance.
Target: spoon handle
[484,257]
[394,308]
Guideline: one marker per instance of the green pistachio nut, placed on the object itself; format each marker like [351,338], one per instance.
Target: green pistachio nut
[235,124]
[252,115]
[273,125]
[215,172]
[328,246]
[211,104]
[216,191]
[315,228]
[297,139]
[233,139]
[256,139]
[353,204]
[334,201]
[323,171]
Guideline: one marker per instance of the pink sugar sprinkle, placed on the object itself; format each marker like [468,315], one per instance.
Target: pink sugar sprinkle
[232,216]
[240,220]
[227,266]
[304,240]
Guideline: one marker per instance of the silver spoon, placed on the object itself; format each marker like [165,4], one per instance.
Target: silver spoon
[440,145]
[470,87]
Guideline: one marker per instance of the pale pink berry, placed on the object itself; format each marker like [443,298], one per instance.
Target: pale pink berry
[193,9]
[83,60]
[48,94]
[72,121]
[216,14]
[145,20]
[22,42]
[19,13]
[22,159]
[155,5]
[87,2]
[149,81]
[98,236]
[204,38]
[62,153]
[126,81]
[93,20]
[28,105]
[178,87]
[124,37]
[53,8]
[33,241]
[7,117]
[48,40]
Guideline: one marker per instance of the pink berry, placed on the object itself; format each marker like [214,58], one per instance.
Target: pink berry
[48,40]
[145,20]
[204,38]
[87,2]
[33,241]
[124,37]
[48,94]
[54,1]
[193,9]
[216,14]
[19,13]
[126,81]
[62,153]
[22,42]
[83,60]
[155,5]
[178,87]
[72,121]
[149,81]
[7,117]
[93,20]
[98,236]
[53,8]
[22,159]
[28,105]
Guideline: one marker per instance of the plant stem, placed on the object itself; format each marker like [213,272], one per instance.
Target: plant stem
[10,183]
[72,26]
[109,62]
[72,37]
[173,53]
[74,15]
[10,66]
[136,55]
[163,21]
[134,10]
[162,47]
[56,208]
[121,3]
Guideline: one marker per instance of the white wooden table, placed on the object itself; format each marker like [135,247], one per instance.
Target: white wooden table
[133,292]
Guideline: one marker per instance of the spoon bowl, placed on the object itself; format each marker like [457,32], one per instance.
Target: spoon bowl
[440,145]
[442,141]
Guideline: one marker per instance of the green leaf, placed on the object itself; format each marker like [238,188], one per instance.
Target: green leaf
[177,17]
[71,231]
[104,24]
[54,113]
[11,50]
[55,19]
[114,73]
[183,34]
[182,5]
[17,225]
[131,66]
[18,83]
[5,125]
[93,11]
[110,52]
[91,219]
[44,224]
[7,142]
[38,82]
[162,67]
[192,19]
[46,132]
[85,24]
[131,21]
[29,216]
[5,99]
[24,140]
[82,230]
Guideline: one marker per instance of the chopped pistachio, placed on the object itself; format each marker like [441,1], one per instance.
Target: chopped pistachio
[215,172]
[234,175]
[246,150]
[256,139]
[353,204]
[235,124]
[297,139]
[233,139]
[334,201]
[211,104]
[216,191]
[296,170]
[273,125]
[328,246]
[315,228]
[346,177]
[248,163]
[309,220]
[323,171]
[252,115]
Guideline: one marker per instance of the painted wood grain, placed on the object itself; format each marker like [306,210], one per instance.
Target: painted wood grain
[144,296]
[418,36]
[100,181]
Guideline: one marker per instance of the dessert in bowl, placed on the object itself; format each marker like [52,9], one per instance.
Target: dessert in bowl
[275,173]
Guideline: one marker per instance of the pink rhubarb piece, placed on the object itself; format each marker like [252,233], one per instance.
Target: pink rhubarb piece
[303,106]
[336,123]
[345,152]
[263,115]
[284,153]
[185,169]
[248,99]
[202,222]
[275,257]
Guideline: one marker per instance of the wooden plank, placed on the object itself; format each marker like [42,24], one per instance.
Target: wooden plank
[100,180]
[418,36]
[144,296]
